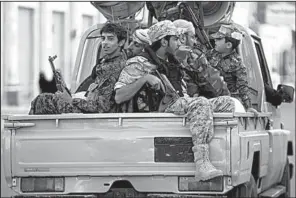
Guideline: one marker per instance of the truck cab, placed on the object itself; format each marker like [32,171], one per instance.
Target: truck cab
[146,154]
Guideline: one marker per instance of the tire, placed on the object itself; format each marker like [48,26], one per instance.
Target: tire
[286,180]
[248,189]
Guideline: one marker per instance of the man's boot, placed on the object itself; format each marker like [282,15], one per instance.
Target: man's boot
[204,168]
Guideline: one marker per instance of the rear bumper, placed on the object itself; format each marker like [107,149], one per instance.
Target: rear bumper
[57,196]
[183,196]
[137,196]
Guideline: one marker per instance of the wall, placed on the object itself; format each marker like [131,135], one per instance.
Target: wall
[32,31]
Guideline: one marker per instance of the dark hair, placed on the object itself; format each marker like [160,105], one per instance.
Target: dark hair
[233,41]
[116,29]
[157,44]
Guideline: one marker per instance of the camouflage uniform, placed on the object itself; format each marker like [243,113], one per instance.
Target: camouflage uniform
[234,73]
[202,79]
[206,78]
[100,95]
[199,110]
[136,67]
[231,67]
[208,83]
[199,113]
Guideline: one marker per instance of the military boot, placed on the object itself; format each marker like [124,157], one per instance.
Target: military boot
[204,168]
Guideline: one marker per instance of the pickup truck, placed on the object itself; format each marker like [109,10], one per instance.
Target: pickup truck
[146,154]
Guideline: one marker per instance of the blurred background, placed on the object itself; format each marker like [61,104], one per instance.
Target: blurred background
[32,31]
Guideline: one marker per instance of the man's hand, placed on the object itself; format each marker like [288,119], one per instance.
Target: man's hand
[194,56]
[154,82]
[192,89]
[183,51]
[284,96]
[197,51]
[60,78]
[65,96]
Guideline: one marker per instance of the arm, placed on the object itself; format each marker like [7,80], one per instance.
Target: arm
[209,77]
[272,96]
[242,85]
[133,77]
[127,92]
[215,82]
[130,80]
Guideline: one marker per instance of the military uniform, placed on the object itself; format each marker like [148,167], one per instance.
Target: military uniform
[231,67]
[199,110]
[201,78]
[234,74]
[207,79]
[136,67]
[100,95]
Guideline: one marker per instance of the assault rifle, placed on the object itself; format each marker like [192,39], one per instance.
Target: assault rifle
[60,83]
[184,10]
[198,24]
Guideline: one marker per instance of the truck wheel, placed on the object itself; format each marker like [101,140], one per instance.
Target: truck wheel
[286,180]
[248,189]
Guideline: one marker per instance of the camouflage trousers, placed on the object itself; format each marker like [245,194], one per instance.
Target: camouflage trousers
[48,103]
[199,112]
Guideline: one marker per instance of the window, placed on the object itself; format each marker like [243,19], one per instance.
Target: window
[262,62]
[89,57]
[26,55]
[87,21]
[58,46]
[246,52]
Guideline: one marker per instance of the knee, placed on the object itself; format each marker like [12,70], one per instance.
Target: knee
[199,104]
[227,99]
[202,101]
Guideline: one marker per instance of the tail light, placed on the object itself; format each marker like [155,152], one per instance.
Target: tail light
[43,184]
[190,184]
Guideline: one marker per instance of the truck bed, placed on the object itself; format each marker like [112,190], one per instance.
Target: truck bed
[110,144]
[152,151]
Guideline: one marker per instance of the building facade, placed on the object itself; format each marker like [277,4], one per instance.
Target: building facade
[274,22]
[32,31]
[276,26]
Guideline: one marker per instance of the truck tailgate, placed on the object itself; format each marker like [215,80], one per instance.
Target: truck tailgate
[117,144]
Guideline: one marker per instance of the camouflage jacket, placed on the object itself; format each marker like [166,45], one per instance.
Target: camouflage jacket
[203,79]
[136,68]
[100,94]
[234,73]
[146,99]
